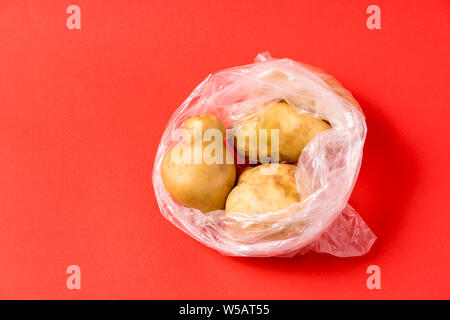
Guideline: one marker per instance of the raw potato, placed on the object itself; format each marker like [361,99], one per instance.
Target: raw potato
[261,189]
[295,131]
[202,186]
[264,188]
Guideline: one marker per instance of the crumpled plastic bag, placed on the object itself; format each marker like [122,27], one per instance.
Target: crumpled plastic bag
[326,171]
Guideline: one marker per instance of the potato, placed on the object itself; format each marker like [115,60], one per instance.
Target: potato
[204,186]
[295,131]
[264,188]
[261,189]
[207,121]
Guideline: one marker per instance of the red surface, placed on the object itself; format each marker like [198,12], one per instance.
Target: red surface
[82,113]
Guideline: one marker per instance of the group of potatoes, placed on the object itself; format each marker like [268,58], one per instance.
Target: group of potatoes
[258,189]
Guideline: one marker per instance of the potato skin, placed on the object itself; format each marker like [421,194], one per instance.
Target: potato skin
[201,186]
[295,131]
[208,121]
[261,189]
[264,188]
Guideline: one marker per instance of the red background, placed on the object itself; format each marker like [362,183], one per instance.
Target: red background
[82,113]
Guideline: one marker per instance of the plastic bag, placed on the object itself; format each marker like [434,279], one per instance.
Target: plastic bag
[326,171]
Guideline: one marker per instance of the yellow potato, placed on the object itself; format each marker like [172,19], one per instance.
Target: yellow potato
[204,186]
[206,121]
[295,131]
[264,188]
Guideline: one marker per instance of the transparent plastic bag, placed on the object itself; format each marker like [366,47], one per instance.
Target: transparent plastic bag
[326,171]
